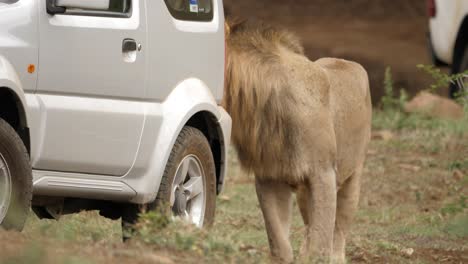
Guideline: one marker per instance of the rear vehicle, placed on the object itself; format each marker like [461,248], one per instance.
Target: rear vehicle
[448,38]
[111,105]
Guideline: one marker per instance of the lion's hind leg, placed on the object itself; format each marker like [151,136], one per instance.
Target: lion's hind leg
[275,200]
[347,205]
[302,201]
[317,202]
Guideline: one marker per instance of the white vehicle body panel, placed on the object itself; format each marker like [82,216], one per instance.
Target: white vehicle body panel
[445,27]
[18,38]
[81,59]
[108,131]
[103,126]
[9,78]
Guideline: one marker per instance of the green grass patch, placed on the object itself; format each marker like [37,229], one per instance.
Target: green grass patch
[83,227]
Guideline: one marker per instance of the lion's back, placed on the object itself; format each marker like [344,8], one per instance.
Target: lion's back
[347,78]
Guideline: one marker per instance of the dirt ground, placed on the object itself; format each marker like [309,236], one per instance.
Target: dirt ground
[413,209]
[375,33]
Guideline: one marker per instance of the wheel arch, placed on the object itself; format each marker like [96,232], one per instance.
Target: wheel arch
[13,112]
[208,124]
[12,101]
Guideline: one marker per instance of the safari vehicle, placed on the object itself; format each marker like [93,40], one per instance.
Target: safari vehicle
[448,37]
[111,105]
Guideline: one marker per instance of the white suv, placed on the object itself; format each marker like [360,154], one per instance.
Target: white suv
[449,35]
[111,105]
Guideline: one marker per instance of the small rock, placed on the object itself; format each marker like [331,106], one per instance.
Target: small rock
[409,167]
[371,152]
[252,252]
[225,198]
[435,196]
[407,252]
[158,259]
[384,135]
[249,249]
[458,175]
[435,106]
[360,257]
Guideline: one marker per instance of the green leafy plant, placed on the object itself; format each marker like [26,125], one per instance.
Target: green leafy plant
[442,80]
[390,101]
[462,94]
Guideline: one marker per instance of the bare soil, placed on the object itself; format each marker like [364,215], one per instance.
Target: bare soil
[375,33]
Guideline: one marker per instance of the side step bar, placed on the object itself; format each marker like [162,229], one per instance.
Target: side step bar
[81,186]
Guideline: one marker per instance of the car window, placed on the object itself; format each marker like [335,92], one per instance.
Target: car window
[117,8]
[194,10]
[122,6]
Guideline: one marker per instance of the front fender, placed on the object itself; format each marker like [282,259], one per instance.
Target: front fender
[9,79]
[188,98]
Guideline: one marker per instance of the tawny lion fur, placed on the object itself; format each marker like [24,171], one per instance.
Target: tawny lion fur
[300,126]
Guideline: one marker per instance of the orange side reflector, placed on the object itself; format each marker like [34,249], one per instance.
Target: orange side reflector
[31,68]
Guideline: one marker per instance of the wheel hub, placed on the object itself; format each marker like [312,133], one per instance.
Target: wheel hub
[188,195]
[180,203]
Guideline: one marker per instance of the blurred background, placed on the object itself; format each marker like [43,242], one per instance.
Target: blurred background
[375,33]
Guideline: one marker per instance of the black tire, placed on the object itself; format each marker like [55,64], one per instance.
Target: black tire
[16,157]
[190,141]
[462,67]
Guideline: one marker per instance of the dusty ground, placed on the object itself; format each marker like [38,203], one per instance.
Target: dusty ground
[375,33]
[413,210]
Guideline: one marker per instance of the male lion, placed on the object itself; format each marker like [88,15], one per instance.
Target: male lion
[300,126]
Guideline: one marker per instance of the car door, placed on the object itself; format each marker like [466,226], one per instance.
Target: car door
[91,82]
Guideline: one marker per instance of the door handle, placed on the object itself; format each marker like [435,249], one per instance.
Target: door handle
[129,45]
[129,50]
